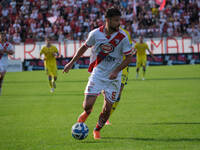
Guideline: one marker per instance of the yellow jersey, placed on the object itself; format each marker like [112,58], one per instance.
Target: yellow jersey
[127,33]
[125,70]
[141,49]
[49,54]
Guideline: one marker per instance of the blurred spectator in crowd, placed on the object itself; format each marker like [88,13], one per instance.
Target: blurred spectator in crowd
[16,38]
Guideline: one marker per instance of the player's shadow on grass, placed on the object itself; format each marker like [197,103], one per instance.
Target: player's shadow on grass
[166,79]
[74,81]
[155,139]
[171,123]
[94,141]
[160,139]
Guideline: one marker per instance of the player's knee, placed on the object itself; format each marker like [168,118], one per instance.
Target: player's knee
[1,76]
[49,78]
[106,112]
[88,103]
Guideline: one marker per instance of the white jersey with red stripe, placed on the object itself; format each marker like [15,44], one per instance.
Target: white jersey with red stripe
[4,57]
[107,52]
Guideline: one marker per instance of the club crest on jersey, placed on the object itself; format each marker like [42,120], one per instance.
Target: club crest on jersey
[107,48]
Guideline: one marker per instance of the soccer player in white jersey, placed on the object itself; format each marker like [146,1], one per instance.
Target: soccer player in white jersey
[124,80]
[109,44]
[5,49]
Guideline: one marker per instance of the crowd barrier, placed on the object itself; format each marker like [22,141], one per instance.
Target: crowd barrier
[67,49]
[168,51]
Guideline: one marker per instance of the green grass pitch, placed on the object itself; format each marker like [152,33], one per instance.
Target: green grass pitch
[160,113]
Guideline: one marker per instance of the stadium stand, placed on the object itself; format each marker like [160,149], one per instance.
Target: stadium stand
[32,20]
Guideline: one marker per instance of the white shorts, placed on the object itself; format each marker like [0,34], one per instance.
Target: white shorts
[3,68]
[111,88]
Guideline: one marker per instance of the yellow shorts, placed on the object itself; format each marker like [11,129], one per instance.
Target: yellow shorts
[141,61]
[51,69]
[125,75]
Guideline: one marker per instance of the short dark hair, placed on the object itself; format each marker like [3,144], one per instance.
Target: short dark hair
[113,11]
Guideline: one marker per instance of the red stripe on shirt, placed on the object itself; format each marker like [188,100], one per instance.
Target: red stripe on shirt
[99,58]
[126,53]
[115,41]
[101,28]
[87,45]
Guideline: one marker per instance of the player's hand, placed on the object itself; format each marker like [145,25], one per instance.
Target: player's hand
[113,75]
[55,54]
[10,52]
[67,67]
[4,50]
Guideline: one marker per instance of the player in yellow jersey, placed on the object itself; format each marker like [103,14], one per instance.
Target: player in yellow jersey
[50,52]
[124,80]
[140,49]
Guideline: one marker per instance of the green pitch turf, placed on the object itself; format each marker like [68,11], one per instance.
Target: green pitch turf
[160,113]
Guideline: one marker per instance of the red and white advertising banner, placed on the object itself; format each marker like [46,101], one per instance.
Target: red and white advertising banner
[169,45]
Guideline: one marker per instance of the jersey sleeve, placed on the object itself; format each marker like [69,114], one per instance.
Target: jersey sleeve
[55,49]
[90,40]
[135,47]
[146,46]
[126,46]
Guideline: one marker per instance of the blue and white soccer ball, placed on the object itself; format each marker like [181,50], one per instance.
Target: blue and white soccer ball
[80,131]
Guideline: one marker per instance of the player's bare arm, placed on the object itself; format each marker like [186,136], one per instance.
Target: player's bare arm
[10,52]
[55,54]
[151,54]
[41,56]
[124,63]
[80,52]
